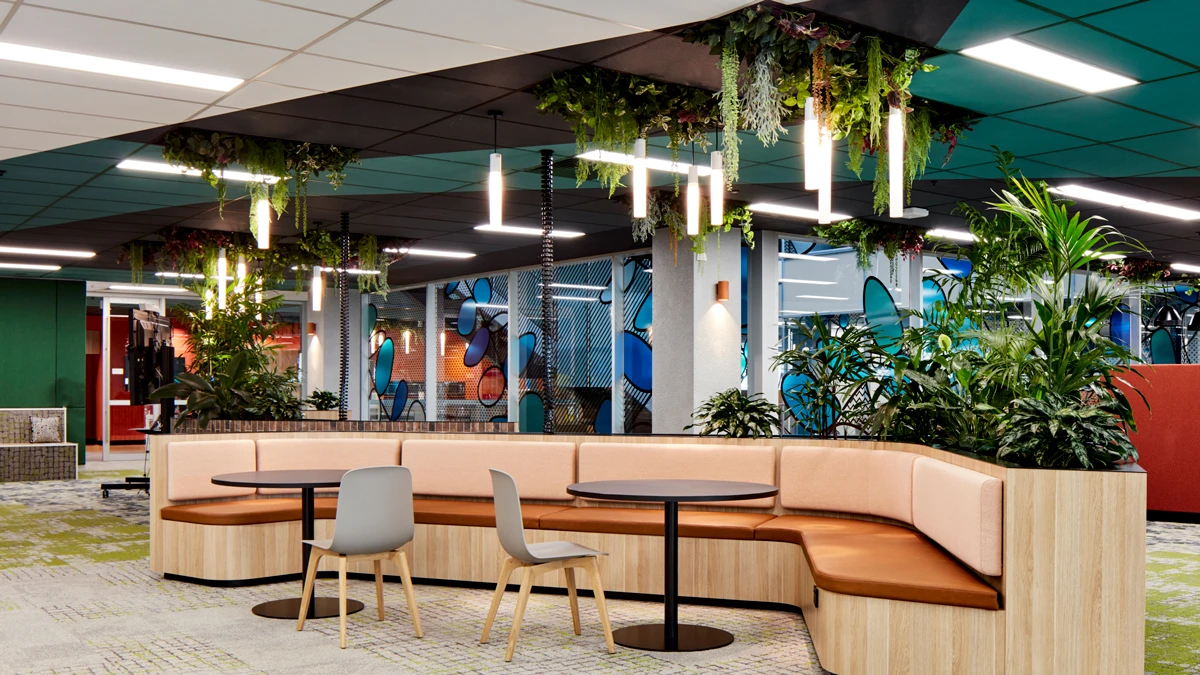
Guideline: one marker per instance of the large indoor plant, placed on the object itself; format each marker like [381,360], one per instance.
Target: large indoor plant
[733,414]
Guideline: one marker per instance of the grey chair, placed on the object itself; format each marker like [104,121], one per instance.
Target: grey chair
[374,518]
[535,559]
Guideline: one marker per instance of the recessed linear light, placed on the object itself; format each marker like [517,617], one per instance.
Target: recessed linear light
[807,256]
[1047,65]
[792,211]
[431,253]
[178,275]
[163,167]
[956,235]
[1185,268]
[811,282]
[97,64]
[528,231]
[1112,199]
[147,288]
[581,287]
[651,163]
[27,266]
[821,297]
[572,297]
[49,252]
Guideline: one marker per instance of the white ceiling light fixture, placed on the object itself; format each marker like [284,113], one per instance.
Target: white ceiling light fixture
[430,253]
[163,167]
[792,211]
[147,288]
[573,297]
[716,185]
[581,287]
[528,231]
[1047,65]
[29,266]
[1113,199]
[641,181]
[47,252]
[222,276]
[240,273]
[825,187]
[807,256]
[178,275]
[208,303]
[693,202]
[1185,268]
[895,150]
[811,143]
[955,235]
[651,163]
[354,271]
[102,66]
[1105,256]
[808,282]
[821,297]
[495,174]
[262,223]
[318,288]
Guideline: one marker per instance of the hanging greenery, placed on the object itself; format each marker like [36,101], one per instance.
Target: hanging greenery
[608,111]
[1139,270]
[211,153]
[730,113]
[134,253]
[868,236]
[666,210]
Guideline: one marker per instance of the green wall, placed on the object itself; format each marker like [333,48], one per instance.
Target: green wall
[43,348]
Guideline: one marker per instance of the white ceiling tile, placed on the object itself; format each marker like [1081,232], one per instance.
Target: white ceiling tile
[106,83]
[504,23]
[19,117]
[9,153]
[254,94]
[254,22]
[53,96]
[341,7]
[50,29]
[38,140]
[648,15]
[319,72]
[212,112]
[395,48]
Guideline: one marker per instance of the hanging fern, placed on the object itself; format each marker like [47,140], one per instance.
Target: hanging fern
[762,108]
[730,114]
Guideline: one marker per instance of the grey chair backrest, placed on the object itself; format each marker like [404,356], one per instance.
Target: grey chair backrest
[509,525]
[375,511]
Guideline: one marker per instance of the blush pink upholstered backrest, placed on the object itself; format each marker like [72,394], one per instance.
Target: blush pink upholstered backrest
[848,480]
[962,510]
[632,461]
[276,454]
[453,468]
[192,464]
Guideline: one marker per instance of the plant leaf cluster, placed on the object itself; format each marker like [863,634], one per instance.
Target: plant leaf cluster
[733,414]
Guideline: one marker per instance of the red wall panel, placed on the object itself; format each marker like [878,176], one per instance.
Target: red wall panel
[1168,435]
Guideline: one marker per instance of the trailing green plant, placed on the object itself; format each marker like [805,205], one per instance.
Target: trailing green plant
[733,414]
[868,236]
[323,400]
[730,109]
[135,253]
[1139,270]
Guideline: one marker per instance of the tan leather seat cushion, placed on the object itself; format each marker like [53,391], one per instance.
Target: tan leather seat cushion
[707,524]
[877,560]
[247,512]
[474,514]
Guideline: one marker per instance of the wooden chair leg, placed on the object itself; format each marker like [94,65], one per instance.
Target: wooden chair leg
[506,569]
[310,579]
[522,599]
[572,598]
[379,586]
[342,597]
[406,577]
[593,569]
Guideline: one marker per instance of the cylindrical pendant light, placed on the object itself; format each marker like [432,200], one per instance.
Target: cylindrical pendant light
[208,303]
[318,288]
[641,183]
[222,276]
[825,187]
[442,339]
[258,300]
[693,202]
[896,162]
[716,199]
[262,221]
[407,340]
[811,142]
[241,274]
[495,177]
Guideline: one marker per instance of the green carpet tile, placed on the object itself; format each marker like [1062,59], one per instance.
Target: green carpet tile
[77,596]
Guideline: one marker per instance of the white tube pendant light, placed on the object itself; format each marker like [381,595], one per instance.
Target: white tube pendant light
[241,274]
[693,202]
[811,142]
[896,162]
[641,186]
[495,177]
[716,198]
[318,288]
[407,340]
[258,299]
[222,276]
[262,221]
[442,339]
[208,303]
[825,187]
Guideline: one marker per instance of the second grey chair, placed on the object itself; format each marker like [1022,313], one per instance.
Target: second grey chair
[535,559]
[374,518]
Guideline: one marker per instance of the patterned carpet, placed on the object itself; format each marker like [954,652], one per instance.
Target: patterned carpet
[77,596]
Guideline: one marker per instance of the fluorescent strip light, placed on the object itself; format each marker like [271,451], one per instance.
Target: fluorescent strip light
[582,287]
[896,162]
[1165,210]
[222,275]
[651,163]
[821,297]
[1105,256]
[495,191]
[693,202]
[791,211]
[528,231]
[1047,65]
[641,182]
[807,256]
[178,275]
[147,288]
[1112,199]
[28,266]
[956,235]
[430,253]
[491,306]
[96,64]
[163,167]
[810,282]
[1185,268]
[825,185]
[49,252]
[355,271]
[953,273]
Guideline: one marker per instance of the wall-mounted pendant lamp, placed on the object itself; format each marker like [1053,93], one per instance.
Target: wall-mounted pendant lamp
[495,177]
[262,222]
[318,288]
[716,199]
[825,187]
[641,186]
[895,149]
[312,328]
[693,202]
[722,291]
[222,277]
[241,274]
[811,142]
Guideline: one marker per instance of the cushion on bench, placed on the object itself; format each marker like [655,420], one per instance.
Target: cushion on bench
[876,560]
[686,461]
[445,468]
[276,454]
[848,480]
[708,524]
[474,514]
[962,510]
[247,511]
[192,464]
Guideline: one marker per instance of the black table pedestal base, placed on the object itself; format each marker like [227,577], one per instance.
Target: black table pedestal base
[323,608]
[651,637]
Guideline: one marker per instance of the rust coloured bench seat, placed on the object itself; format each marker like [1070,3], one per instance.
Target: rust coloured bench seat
[704,524]
[247,512]
[877,560]
[475,514]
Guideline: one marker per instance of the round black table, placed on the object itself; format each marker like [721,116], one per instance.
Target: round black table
[669,636]
[308,481]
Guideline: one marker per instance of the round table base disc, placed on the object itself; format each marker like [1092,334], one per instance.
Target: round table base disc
[323,608]
[650,637]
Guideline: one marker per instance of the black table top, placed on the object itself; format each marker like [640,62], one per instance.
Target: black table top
[314,478]
[672,490]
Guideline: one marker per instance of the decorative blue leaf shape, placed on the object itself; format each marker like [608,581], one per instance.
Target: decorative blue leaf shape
[1162,347]
[639,362]
[603,421]
[1187,293]
[527,343]
[466,317]
[533,413]
[482,291]
[882,317]
[958,267]
[400,401]
[645,313]
[383,366]
[369,320]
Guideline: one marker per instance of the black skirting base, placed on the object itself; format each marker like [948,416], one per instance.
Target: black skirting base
[321,608]
[651,637]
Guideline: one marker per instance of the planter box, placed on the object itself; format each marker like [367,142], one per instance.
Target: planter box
[321,414]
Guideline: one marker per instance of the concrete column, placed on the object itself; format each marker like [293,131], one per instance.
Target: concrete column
[697,340]
[763,329]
